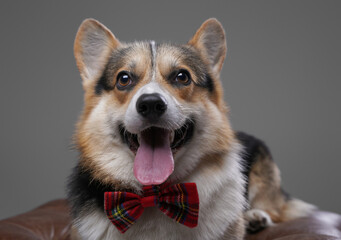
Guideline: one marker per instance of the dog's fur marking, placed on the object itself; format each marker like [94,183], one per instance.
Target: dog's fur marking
[115,62]
[153,59]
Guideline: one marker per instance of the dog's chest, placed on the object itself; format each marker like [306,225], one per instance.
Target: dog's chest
[221,205]
[153,224]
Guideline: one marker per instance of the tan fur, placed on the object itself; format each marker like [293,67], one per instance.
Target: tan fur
[265,180]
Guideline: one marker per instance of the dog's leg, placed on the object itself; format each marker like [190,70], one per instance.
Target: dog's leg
[269,204]
[257,220]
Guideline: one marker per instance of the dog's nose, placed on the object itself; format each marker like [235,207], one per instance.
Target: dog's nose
[151,106]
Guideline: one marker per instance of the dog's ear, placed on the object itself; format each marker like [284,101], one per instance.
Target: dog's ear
[93,46]
[211,42]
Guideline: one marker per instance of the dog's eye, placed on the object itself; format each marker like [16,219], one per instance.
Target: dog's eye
[123,80]
[183,77]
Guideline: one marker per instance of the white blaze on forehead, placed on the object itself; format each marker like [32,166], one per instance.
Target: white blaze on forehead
[151,87]
[153,50]
[153,47]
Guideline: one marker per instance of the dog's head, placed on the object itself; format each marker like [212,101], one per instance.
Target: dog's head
[152,111]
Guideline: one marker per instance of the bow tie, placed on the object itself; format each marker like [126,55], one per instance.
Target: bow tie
[180,202]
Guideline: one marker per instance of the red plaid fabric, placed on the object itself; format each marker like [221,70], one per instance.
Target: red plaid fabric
[180,202]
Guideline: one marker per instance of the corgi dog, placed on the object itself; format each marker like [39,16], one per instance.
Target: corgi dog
[154,114]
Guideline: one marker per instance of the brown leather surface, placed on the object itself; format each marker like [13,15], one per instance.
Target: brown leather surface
[52,221]
[320,226]
[49,221]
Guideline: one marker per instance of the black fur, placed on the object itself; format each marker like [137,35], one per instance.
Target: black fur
[209,83]
[85,192]
[107,82]
[103,84]
[253,148]
[194,61]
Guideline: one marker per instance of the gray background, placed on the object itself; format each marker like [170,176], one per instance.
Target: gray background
[281,80]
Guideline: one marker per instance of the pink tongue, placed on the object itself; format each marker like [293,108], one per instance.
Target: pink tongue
[154,159]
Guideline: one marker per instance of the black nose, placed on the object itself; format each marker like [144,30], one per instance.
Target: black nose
[151,106]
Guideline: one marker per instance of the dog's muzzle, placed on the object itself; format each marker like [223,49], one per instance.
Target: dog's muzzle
[151,106]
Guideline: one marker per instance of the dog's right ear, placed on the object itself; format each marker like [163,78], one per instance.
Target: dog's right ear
[210,40]
[93,46]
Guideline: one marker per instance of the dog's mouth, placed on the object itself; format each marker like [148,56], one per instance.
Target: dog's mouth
[177,137]
[154,148]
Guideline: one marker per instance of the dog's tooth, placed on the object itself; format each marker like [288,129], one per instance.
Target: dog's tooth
[171,137]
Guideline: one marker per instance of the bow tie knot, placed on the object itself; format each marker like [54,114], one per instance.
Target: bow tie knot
[180,202]
[148,201]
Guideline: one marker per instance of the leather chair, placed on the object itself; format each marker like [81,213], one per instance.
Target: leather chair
[52,221]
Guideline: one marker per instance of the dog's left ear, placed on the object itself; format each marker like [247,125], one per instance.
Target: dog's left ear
[210,41]
[93,45]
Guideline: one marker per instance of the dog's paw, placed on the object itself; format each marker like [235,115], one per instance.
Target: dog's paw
[257,220]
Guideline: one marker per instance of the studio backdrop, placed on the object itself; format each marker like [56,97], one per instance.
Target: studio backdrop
[282,82]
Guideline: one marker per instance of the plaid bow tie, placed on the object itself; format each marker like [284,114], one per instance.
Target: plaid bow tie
[180,202]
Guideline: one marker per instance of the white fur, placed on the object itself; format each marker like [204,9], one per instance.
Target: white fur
[153,47]
[221,203]
[297,208]
[110,156]
[260,216]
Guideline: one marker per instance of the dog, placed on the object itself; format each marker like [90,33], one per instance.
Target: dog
[155,114]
